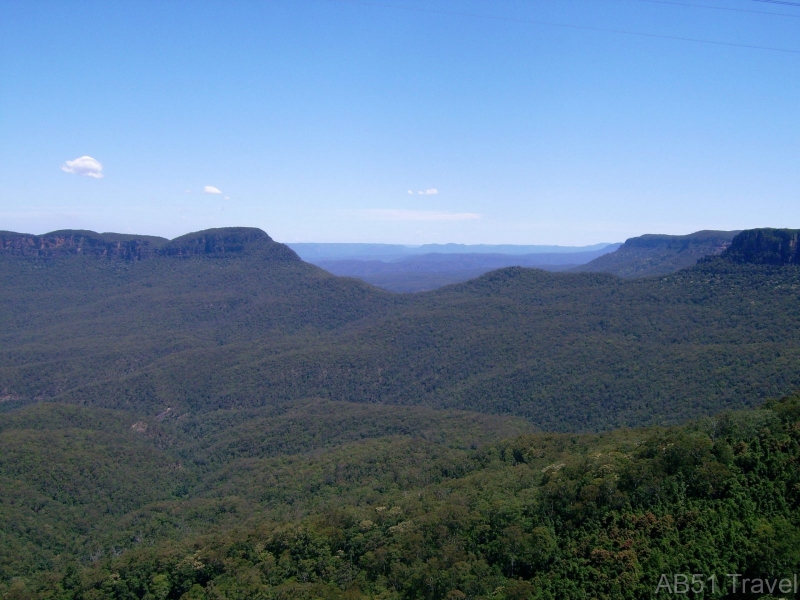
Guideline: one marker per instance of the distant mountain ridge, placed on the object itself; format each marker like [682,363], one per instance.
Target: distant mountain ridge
[313,252]
[426,272]
[74,242]
[393,267]
[221,241]
[650,254]
[435,261]
[655,254]
[423,268]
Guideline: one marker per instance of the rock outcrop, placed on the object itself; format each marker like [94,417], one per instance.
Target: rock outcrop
[765,246]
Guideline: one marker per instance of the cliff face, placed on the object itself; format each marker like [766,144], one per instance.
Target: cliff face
[211,242]
[765,246]
[68,242]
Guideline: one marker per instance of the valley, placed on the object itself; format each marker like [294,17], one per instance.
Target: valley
[212,417]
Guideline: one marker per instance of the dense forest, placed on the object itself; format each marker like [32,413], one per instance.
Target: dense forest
[231,319]
[426,505]
[211,417]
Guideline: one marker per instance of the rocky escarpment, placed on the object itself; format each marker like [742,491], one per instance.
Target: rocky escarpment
[225,241]
[72,242]
[765,246]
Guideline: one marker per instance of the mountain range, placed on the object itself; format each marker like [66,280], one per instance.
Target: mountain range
[312,253]
[212,417]
[415,269]
[230,318]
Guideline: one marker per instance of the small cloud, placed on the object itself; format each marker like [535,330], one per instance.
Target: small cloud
[410,191]
[392,214]
[188,192]
[85,165]
[227,197]
[210,189]
[428,192]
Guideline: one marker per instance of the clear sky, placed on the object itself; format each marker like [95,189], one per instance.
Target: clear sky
[401,121]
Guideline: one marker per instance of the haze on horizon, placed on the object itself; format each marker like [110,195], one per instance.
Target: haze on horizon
[569,123]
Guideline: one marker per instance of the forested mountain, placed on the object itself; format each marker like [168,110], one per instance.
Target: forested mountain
[230,319]
[650,255]
[211,417]
[95,504]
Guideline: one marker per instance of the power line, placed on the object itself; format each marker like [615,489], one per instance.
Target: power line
[725,8]
[571,26]
[780,2]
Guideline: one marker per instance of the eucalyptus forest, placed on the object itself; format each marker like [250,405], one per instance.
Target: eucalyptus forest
[212,417]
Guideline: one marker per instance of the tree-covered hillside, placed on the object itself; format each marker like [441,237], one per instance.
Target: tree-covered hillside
[230,319]
[195,509]
[211,417]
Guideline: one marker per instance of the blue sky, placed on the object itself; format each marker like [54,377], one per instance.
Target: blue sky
[526,122]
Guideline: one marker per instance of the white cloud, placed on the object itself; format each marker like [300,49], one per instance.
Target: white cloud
[428,192]
[410,191]
[227,197]
[210,189]
[393,214]
[84,165]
